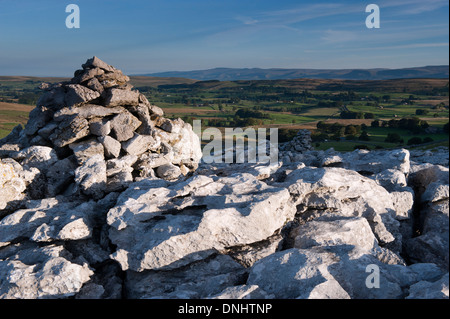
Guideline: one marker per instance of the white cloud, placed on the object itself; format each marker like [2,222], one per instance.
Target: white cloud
[338,36]
[413,7]
[246,20]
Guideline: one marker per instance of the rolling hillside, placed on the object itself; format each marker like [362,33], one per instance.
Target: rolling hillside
[230,74]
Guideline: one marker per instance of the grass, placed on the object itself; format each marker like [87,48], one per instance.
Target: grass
[377,140]
[6,128]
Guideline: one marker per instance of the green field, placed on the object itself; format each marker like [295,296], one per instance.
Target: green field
[287,104]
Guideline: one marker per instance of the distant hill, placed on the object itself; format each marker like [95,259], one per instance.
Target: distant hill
[230,74]
[138,81]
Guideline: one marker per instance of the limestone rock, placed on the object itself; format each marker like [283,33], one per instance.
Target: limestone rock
[296,274]
[138,144]
[438,156]
[90,74]
[100,127]
[391,179]
[115,79]
[59,176]
[143,114]
[300,143]
[47,130]
[433,243]
[37,156]
[198,280]
[116,165]
[337,273]
[88,111]
[69,131]
[168,171]
[54,97]
[124,125]
[78,94]
[97,63]
[11,185]
[338,192]
[48,220]
[91,176]
[38,118]
[186,147]
[83,151]
[153,109]
[40,273]
[199,225]
[111,146]
[242,292]
[430,290]
[403,202]
[374,162]
[117,97]
[353,232]
[95,85]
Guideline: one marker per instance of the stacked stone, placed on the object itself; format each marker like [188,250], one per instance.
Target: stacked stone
[299,144]
[299,149]
[98,135]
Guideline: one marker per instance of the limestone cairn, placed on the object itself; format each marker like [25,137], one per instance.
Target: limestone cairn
[97,135]
[300,143]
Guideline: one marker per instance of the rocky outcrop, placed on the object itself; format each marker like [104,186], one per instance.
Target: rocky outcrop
[170,229]
[431,240]
[41,273]
[91,120]
[102,197]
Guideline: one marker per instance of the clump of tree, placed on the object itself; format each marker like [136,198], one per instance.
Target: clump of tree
[319,137]
[414,124]
[336,131]
[351,115]
[417,140]
[408,101]
[439,106]
[422,112]
[356,115]
[394,138]
[333,128]
[364,136]
[330,104]
[286,135]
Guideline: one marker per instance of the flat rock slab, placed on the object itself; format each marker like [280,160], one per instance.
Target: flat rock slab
[117,97]
[88,111]
[42,273]
[156,226]
[48,220]
[78,94]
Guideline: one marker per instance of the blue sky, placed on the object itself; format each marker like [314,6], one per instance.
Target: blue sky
[168,35]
